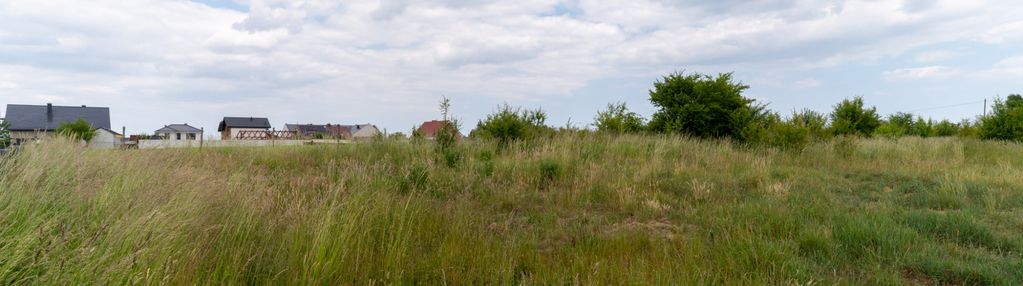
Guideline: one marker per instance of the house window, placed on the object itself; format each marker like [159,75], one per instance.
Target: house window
[179,136]
[191,136]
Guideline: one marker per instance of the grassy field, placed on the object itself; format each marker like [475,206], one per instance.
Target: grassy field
[596,210]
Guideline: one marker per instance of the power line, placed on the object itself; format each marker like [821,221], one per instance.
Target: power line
[949,106]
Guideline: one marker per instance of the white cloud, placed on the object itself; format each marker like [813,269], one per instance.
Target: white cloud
[935,56]
[920,73]
[388,61]
[808,83]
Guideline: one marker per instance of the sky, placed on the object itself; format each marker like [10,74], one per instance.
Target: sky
[389,62]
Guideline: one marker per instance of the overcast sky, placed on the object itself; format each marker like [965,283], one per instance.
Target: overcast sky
[388,62]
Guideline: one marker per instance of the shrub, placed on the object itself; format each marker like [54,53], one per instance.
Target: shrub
[451,156]
[945,128]
[851,118]
[922,128]
[487,158]
[549,171]
[507,125]
[618,119]
[704,106]
[1005,121]
[968,129]
[788,135]
[447,135]
[5,134]
[415,177]
[896,125]
[78,130]
[845,146]
[796,132]
[814,122]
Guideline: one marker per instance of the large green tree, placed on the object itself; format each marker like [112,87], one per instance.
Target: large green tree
[704,106]
[1005,121]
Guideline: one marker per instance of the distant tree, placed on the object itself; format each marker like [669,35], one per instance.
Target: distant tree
[1005,121]
[447,134]
[922,128]
[851,118]
[507,125]
[618,119]
[397,136]
[814,122]
[78,130]
[945,128]
[5,133]
[704,106]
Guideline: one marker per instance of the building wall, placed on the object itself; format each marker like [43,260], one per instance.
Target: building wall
[104,140]
[26,136]
[184,136]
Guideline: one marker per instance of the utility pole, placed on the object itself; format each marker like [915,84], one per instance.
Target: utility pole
[985,107]
[202,135]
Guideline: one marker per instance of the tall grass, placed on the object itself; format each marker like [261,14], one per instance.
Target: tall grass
[570,210]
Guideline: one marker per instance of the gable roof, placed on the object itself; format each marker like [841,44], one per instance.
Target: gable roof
[185,128]
[429,129]
[344,131]
[48,117]
[307,129]
[244,122]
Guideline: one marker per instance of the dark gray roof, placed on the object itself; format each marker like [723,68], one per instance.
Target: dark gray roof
[244,122]
[37,117]
[179,128]
[307,129]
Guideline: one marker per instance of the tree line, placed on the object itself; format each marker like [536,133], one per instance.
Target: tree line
[714,107]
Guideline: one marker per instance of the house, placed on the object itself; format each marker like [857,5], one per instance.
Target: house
[35,122]
[339,131]
[363,131]
[106,139]
[350,132]
[232,127]
[308,130]
[430,128]
[179,132]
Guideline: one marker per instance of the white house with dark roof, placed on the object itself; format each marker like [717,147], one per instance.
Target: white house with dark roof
[35,122]
[179,132]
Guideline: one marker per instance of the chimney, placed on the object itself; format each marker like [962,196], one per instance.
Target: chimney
[83,105]
[49,112]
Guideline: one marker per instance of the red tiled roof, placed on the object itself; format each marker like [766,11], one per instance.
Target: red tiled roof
[429,129]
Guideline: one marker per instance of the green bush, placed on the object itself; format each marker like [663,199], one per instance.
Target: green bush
[896,125]
[5,134]
[704,106]
[1005,121]
[922,128]
[549,171]
[788,135]
[968,129]
[451,156]
[851,118]
[945,128]
[508,125]
[618,119]
[814,122]
[78,130]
